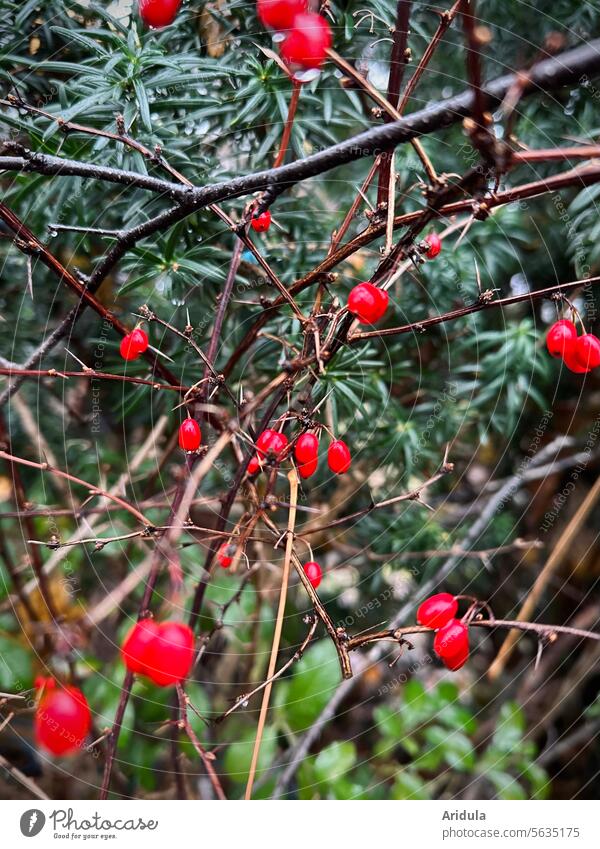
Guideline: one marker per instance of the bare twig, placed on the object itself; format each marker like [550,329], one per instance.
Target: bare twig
[293,479]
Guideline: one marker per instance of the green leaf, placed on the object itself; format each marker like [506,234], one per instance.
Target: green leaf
[315,678]
[334,761]
[505,785]
[408,786]
[16,668]
[509,728]
[238,755]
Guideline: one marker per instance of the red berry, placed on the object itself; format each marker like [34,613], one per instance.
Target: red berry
[437,610]
[455,661]
[158,13]
[264,439]
[587,351]
[170,655]
[261,223]
[338,457]
[307,41]
[560,337]
[135,645]
[313,572]
[268,441]
[277,443]
[571,361]
[226,554]
[128,349]
[62,719]
[309,468]
[367,303]
[306,448]
[139,340]
[435,245]
[190,436]
[279,14]
[451,644]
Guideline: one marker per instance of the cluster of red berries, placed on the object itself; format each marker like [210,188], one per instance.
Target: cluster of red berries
[62,718]
[307,34]
[163,652]
[451,641]
[269,442]
[190,435]
[158,13]
[306,452]
[580,354]
[134,344]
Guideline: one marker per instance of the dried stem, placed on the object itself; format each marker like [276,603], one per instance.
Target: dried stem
[293,479]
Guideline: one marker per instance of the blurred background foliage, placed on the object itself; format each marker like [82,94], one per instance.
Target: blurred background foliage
[206,94]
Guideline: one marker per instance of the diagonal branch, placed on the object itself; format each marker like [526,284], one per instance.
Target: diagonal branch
[564,69]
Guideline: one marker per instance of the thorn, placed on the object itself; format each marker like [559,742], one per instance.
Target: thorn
[29,278]
[81,363]
[538,656]
[160,353]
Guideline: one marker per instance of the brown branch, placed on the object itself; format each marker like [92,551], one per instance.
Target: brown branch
[206,757]
[480,120]
[547,632]
[289,123]
[336,636]
[20,501]
[90,374]
[564,69]
[93,490]
[338,235]
[446,19]
[589,151]
[482,304]
[161,555]
[23,779]
[391,114]
[413,495]
[399,57]
[29,244]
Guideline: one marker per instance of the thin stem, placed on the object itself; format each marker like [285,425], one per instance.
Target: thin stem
[482,304]
[293,479]
[245,697]
[90,374]
[543,631]
[93,490]
[289,123]
[446,19]
[206,757]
